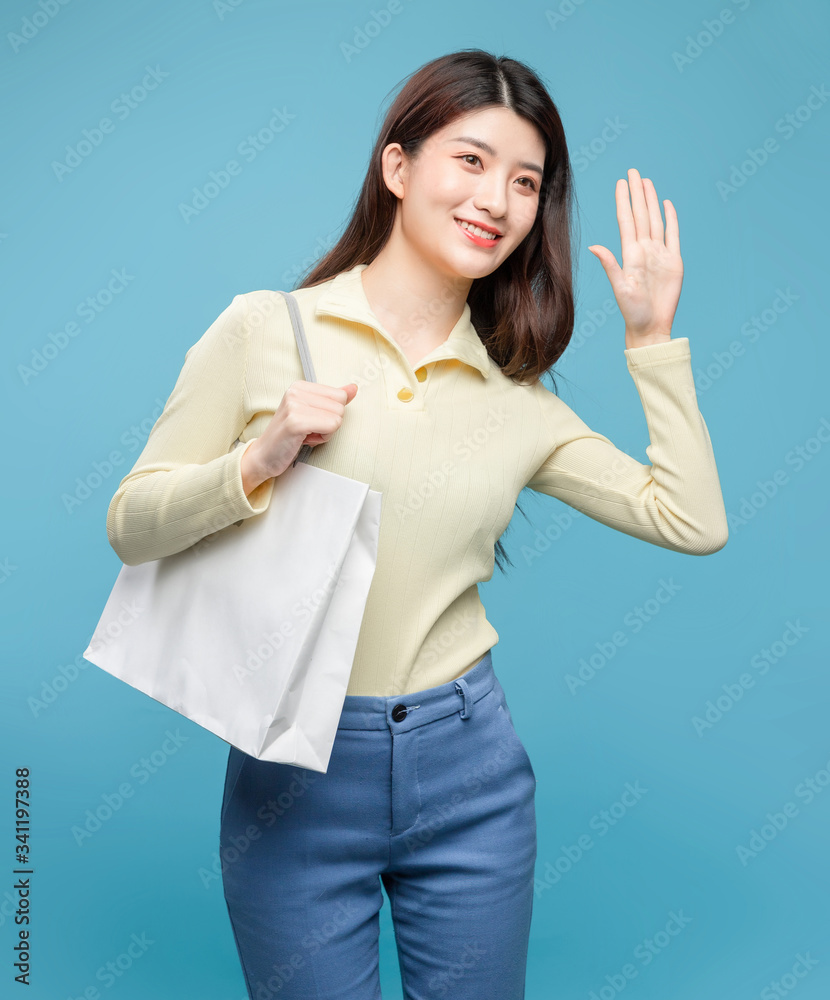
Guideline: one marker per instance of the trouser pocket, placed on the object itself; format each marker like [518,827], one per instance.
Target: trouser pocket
[503,711]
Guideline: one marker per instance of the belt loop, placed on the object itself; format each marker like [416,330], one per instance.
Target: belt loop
[463,688]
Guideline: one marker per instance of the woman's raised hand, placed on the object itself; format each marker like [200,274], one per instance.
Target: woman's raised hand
[647,286]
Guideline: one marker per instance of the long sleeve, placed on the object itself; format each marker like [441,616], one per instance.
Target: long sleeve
[186,483]
[676,502]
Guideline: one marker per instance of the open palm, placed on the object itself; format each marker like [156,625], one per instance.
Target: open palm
[647,286]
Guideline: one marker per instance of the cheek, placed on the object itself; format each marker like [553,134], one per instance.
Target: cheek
[525,217]
[433,197]
[445,182]
[448,186]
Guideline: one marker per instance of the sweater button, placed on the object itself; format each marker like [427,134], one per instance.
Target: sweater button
[421,374]
[406,394]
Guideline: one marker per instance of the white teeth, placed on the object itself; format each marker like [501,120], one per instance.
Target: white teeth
[477,231]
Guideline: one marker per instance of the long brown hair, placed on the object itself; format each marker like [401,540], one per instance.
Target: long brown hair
[524,311]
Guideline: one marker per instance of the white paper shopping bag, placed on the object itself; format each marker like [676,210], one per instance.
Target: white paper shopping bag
[251,632]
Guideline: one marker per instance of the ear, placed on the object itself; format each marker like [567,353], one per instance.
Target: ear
[394,165]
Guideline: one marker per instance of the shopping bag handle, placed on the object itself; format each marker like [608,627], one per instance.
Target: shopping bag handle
[305,358]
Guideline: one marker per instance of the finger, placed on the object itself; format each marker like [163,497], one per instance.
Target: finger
[628,232]
[607,259]
[318,394]
[655,218]
[672,227]
[327,404]
[638,205]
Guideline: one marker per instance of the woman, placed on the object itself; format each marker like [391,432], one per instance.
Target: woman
[429,324]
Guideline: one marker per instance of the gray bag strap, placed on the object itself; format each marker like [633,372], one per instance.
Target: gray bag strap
[305,358]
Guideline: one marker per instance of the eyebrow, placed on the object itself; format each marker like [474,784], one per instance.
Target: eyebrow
[487,148]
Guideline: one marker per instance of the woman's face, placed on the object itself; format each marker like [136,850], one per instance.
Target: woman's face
[485,169]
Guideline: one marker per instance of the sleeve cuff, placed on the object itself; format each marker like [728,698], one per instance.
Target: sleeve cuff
[676,349]
[240,505]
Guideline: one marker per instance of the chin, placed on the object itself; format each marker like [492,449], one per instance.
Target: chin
[464,267]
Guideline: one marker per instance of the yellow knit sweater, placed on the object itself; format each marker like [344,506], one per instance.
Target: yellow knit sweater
[449,444]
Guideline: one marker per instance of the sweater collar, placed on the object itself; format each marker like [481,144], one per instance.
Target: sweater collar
[346,298]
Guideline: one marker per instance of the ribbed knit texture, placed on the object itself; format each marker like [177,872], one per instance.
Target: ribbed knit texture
[450,463]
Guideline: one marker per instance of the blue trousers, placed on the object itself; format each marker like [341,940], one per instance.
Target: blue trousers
[431,794]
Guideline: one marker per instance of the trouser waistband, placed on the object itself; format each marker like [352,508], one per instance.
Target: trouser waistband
[403,712]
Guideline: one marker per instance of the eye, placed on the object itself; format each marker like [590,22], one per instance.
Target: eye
[531,185]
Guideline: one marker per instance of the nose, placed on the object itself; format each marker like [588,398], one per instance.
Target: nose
[491,197]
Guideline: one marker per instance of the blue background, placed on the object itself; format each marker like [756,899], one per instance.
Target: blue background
[575,583]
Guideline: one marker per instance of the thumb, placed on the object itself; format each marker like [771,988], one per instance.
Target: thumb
[351,391]
[606,258]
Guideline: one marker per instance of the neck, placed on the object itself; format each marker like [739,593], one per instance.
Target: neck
[413,301]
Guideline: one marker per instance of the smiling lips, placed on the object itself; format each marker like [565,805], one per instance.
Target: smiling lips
[476,234]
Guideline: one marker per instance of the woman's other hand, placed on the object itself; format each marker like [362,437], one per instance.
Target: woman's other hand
[309,413]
